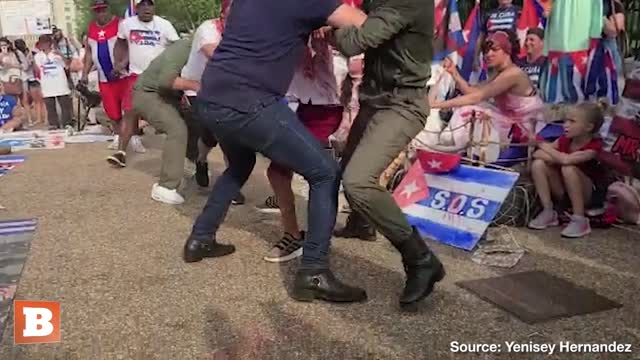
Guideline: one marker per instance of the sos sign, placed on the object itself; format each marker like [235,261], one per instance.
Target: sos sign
[459,204]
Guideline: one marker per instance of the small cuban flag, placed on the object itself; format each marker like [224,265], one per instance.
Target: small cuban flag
[131,9]
[452,203]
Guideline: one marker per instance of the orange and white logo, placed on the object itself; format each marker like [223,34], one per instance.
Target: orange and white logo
[36,322]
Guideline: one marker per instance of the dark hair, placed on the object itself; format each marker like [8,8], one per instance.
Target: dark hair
[4,39]
[594,113]
[537,32]
[515,44]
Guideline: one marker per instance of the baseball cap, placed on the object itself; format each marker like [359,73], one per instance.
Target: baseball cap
[141,1]
[100,4]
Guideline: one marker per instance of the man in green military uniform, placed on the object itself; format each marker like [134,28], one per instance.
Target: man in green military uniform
[157,97]
[397,42]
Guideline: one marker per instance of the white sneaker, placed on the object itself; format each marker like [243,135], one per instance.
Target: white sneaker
[114,144]
[164,195]
[136,144]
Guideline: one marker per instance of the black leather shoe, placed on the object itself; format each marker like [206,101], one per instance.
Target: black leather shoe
[356,228]
[323,285]
[202,173]
[423,270]
[195,250]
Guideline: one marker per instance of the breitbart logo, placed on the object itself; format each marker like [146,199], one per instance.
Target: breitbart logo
[36,322]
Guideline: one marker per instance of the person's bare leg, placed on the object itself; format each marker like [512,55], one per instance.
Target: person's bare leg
[280,181]
[579,188]
[540,175]
[24,101]
[128,125]
[547,182]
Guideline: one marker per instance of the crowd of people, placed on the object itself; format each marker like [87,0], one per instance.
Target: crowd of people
[322,81]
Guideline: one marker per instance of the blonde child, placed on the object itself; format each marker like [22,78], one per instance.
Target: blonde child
[569,166]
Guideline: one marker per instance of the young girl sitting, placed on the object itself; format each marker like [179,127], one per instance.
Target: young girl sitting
[569,166]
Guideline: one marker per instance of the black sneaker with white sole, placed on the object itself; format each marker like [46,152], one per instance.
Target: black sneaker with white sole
[118,159]
[270,205]
[288,248]
[239,199]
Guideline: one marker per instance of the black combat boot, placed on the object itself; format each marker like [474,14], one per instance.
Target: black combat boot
[422,269]
[323,285]
[196,250]
[357,227]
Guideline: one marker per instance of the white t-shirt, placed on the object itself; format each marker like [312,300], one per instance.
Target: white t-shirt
[53,79]
[207,33]
[146,40]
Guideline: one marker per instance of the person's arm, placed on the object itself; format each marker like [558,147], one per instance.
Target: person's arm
[561,158]
[206,40]
[175,57]
[87,64]
[24,61]
[542,155]
[500,85]
[346,15]
[381,25]
[121,49]
[16,120]
[182,84]
[461,83]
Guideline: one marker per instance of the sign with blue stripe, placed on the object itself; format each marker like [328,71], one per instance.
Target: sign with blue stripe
[460,204]
[15,227]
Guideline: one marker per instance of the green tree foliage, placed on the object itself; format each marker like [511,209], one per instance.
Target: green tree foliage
[185,15]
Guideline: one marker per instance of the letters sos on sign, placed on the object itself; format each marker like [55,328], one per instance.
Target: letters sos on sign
[36,322]
[459,204]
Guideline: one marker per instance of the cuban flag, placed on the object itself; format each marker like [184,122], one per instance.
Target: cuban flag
[472,31]
[16,227]
[532,16]
[448,29]
[565,78]
[8,162]
[452,203]
[131,9]
[102,40]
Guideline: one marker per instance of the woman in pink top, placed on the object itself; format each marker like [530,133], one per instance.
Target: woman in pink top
[508,99]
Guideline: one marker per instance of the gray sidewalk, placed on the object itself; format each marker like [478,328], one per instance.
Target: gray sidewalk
[112,257]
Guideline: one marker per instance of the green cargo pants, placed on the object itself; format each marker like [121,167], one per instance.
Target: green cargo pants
[381,131]
[163,114]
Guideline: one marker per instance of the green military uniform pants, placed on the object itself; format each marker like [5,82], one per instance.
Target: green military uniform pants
[380,132]
[163,114]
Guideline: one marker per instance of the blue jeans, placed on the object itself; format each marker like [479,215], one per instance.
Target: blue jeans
[272,129]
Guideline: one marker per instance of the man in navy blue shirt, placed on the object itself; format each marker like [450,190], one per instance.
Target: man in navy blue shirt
[240,102]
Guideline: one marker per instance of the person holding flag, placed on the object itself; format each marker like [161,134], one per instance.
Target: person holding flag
[115,90]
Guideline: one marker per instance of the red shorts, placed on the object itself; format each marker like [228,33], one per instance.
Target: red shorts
[116,96]
[321,121]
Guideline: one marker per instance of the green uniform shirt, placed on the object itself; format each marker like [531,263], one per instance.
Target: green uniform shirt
[397,40]
[164,69]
